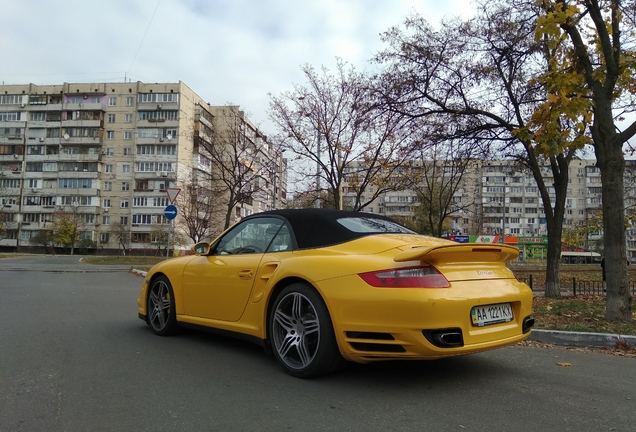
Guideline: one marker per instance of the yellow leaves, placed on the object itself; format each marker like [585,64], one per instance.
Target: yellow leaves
[555,15]
[564,364]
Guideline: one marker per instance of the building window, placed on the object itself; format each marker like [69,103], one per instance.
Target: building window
[106,202]
[123,220]
[110,135]
[125,186]
[104,237]
[130,101]
[110,151]
[124,203]
[111,118]
[125,168]
[158,97]
[128,118]
[146,149]
[112,101]
[140,202]
[108,169]
[127,135]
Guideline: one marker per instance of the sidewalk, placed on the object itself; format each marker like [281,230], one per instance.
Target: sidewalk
[580,339]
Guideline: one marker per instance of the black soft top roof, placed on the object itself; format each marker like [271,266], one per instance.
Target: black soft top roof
[314,228]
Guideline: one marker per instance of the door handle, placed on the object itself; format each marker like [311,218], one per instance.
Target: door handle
[246,274]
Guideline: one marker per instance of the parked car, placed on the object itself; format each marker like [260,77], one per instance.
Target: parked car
[322,287]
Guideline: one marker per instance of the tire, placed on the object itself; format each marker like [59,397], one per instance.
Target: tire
[160,307]
[301,333]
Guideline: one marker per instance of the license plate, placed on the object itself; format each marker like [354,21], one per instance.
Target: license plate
[491,314]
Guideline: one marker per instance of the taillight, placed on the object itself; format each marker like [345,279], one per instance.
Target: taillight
[411,277]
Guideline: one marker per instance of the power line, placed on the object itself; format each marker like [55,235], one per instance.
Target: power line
[144,37]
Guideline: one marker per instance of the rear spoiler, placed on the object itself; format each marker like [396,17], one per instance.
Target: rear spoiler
[462,252]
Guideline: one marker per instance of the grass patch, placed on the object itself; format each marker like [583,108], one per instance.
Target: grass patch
[583,313]
[148,261]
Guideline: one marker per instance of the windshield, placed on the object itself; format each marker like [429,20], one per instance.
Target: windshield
[373,225]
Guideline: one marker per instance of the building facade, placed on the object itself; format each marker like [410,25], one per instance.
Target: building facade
[109,152]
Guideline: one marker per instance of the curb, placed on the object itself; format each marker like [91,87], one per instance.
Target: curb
[139,272]
[580,339]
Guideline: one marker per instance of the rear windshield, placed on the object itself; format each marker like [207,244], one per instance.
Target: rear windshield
[373,225]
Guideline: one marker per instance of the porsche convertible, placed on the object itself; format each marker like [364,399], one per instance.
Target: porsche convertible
[319,288]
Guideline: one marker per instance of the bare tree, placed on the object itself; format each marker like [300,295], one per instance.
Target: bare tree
[200,208]
[337,135]
[437,179]
[121,234]
[482,75]
[44,238]
[234,152]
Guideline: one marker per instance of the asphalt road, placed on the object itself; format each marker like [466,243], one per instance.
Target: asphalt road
[75,357]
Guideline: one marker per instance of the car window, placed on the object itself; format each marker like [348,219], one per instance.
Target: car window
[373,225]
[282,241]
[248,237]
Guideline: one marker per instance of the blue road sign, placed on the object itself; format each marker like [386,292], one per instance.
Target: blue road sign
[170,212]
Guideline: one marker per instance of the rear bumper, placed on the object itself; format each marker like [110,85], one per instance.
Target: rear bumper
[385,324]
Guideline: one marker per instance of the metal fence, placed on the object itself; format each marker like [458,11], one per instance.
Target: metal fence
[596,287]
[584,286]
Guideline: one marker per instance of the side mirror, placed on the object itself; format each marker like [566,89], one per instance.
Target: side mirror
[202,248]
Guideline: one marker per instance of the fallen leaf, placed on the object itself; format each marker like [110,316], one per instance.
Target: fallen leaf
[564,364]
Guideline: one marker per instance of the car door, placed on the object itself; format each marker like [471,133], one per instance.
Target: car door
[218,286]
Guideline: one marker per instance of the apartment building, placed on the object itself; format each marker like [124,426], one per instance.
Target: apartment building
[495,197]
[110,151]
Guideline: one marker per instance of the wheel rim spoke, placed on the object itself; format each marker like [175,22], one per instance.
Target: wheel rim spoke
[303,352]
[288,342]
[284,320]
[297,307]
[165,304]
[311,326]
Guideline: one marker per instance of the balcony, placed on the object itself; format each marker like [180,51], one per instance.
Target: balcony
[158,123]
[93,157]
[82,141]
[83,106]
[152,106]
[82,123]
[153,140]
[11,158]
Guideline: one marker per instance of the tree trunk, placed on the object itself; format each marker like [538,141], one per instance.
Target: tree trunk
[612,165]
[552,283]
[554,221]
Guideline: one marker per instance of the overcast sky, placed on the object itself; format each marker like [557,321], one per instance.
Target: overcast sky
[227,51]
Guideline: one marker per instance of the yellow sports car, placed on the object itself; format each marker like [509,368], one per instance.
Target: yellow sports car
[321,287]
